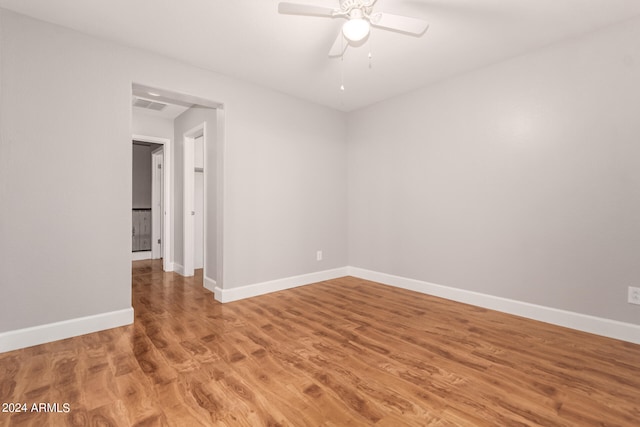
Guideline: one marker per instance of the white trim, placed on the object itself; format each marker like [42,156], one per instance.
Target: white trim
[152,139]
[209,283]
[248,291]
[582,322]
[141,255]
[168,206]
[220,194]
[27,337]
[178,268]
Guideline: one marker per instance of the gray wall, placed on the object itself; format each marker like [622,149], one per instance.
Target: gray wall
[520,180]
[290,198]
[66,229]
[66,226]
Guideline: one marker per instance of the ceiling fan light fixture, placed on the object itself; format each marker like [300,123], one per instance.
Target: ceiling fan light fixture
[357,27]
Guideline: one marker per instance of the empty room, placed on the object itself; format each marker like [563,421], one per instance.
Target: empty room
[319,213]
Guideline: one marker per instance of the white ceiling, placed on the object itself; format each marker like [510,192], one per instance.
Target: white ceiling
[250,40]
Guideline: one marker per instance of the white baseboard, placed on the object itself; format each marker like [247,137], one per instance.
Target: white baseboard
[582,322]
[248,291]
[139,256]
[42,334]
[210,284]
[178,268]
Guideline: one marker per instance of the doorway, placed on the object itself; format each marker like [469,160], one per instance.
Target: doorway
[159,212]
[195,199]
[191,221]
[198,139]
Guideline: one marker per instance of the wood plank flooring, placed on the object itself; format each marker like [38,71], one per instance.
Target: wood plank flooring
[336,353]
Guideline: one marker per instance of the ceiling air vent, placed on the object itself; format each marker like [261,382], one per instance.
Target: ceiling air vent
[149,104]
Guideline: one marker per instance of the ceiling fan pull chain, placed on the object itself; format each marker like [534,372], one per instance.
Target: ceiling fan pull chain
[342,78]
[342,67]
[369,44]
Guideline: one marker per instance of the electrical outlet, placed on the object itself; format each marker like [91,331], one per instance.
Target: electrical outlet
[319,256]
[634,295]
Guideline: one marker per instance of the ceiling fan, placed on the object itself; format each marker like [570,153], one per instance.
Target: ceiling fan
[360,17]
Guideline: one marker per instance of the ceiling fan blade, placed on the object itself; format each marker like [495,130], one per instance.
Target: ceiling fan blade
[339,46]
[399,23]
[304,9]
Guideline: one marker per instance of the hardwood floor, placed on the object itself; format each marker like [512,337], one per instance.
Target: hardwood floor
[336,353]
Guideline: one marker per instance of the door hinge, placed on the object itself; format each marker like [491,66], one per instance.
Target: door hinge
[159,166]
[158,241]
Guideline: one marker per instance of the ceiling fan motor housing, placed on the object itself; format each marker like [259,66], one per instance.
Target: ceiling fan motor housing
[348,6]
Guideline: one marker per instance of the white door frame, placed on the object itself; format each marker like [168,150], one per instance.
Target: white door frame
[188,201]
[157,202]
[167,265]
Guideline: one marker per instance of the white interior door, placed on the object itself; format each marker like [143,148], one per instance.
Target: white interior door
[157,203]
[198,203]
[188,215]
